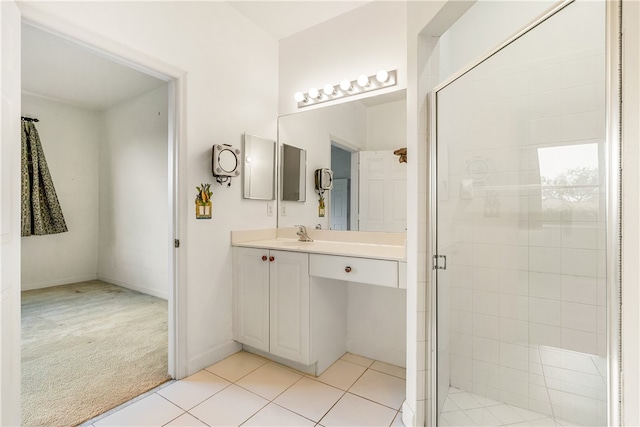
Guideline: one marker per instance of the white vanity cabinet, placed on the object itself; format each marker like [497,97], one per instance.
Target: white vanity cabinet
[271,291]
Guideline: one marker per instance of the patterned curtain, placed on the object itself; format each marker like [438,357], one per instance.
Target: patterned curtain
[41,212]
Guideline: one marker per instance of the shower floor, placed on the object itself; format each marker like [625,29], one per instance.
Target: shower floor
[462,408]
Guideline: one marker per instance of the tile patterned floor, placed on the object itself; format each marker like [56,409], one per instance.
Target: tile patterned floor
[248,390]
[462,408]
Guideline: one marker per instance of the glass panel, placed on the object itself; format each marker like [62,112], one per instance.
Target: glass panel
[521,221]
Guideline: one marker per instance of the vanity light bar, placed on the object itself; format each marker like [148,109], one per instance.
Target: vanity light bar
[346,88]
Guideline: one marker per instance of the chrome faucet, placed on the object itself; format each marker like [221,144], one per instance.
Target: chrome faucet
[302,234]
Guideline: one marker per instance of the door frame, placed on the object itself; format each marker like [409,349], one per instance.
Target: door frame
[176,81]
[355,178]
[613,112]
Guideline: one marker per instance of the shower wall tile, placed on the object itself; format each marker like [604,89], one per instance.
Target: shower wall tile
[582,317]
[514,282]
[486,350]
[546,234]
[545,260]
[486,302]
[580,235]
[580,99]
[515,356]
[545,285]
[580,289]
[583,342]
[545,335]
[580,72]
[486,326]
[579,262]
[486,279]
[461,321]
[514,307]
[545,311]
[514,331]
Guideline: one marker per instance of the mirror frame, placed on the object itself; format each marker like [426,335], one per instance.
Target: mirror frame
[248,141]
[302,172]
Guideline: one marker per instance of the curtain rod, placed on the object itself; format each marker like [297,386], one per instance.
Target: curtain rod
[29,119]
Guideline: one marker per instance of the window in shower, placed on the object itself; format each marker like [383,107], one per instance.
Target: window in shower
[521,306]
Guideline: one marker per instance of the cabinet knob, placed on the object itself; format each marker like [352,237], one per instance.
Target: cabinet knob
[271,258]
[347,269]
[264,257]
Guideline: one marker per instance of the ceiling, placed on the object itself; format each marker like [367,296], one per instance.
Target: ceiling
[55,68]
[282,19]
[58,69]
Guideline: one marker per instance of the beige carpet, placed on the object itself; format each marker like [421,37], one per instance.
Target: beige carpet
[86,348]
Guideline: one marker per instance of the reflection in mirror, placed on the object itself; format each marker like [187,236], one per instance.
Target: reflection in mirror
[356,140]
[259,168]
[294,170]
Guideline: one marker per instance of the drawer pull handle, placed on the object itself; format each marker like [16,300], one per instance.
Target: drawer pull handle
[264,257]
[271,258]
[347,269]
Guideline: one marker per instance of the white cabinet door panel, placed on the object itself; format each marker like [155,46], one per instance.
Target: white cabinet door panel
[289,318]
[252,297]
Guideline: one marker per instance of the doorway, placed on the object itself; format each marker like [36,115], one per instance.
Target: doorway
[128,162]
[522,283]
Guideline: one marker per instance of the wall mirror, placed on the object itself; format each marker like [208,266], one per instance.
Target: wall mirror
[356,140]
[258,174]
[294,170]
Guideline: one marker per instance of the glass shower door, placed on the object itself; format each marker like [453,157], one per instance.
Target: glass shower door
[521,305]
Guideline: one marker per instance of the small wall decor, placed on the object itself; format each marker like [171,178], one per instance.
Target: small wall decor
[402,153]
[203,201]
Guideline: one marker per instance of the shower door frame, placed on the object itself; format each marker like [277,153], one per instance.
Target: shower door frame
[613,165]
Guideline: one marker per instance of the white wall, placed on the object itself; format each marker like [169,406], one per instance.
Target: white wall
[133,248]
[387,126]
[362,41]
[70,138]
[376,323]
[225,96]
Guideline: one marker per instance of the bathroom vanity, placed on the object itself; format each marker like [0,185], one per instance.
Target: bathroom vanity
[290,297]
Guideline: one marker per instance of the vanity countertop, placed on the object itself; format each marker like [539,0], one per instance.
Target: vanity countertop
[389,246]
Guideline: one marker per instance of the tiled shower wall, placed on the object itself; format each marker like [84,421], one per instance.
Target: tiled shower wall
[526,252]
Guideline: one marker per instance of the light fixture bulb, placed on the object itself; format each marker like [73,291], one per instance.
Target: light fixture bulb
[363,80]
[382,76]
[314,93]
[299,97]
[328,89]
[345,85]
[249,159]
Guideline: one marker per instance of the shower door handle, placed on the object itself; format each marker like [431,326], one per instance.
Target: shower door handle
[439,262]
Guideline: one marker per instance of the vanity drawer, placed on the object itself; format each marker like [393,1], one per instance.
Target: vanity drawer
[361,270]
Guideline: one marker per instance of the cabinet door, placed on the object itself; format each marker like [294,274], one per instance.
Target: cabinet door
[251,281]
[289,323]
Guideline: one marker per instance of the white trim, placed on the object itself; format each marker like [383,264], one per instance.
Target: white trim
[211,355]
[176,78]
[613,217]
[134,287]
[99,45]
[58,282]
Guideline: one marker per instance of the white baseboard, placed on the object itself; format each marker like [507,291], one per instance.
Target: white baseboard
[58,282]
[377,352]
[212,355]
[153,292]
[408,417]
